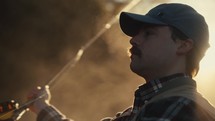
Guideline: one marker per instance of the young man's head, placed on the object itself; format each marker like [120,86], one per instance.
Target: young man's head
[169,38]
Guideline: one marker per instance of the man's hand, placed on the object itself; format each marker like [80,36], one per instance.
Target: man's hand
[42,97]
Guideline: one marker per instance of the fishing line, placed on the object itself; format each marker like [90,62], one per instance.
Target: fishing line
[76,59]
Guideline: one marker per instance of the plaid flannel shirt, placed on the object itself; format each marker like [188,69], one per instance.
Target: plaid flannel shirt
[174,108]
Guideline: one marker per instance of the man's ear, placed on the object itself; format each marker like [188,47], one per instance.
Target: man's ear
[184,46]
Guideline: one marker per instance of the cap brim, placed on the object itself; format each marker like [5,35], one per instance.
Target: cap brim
[130,23]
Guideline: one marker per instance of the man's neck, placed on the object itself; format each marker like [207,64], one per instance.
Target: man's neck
[149,78]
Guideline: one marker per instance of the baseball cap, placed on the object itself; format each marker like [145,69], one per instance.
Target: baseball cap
[180,16]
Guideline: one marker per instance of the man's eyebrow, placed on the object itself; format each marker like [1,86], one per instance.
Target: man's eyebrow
[153,28]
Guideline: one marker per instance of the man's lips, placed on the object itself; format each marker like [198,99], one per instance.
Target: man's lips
[135,51]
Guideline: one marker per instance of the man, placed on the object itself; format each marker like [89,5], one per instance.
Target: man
[167,46]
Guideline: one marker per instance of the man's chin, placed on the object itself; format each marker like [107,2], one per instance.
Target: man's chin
[134,68]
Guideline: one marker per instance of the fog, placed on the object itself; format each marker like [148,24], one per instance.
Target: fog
[39,37]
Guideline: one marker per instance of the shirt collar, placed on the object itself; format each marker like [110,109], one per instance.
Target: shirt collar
[148,90]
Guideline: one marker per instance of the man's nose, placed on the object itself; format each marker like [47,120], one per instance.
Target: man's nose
[134,41]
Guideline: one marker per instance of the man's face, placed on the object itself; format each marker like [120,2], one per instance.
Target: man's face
[153,51]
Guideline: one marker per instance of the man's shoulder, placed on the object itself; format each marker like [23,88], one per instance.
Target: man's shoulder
[162,104]
[173,108]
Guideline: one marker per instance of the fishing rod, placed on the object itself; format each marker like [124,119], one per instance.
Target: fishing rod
[11,111]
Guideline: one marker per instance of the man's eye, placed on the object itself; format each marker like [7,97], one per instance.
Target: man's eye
[148,33]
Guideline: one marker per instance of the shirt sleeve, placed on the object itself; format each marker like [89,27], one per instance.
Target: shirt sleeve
[173,109]
[50,113]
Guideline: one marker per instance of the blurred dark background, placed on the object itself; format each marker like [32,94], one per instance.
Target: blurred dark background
[39,36]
